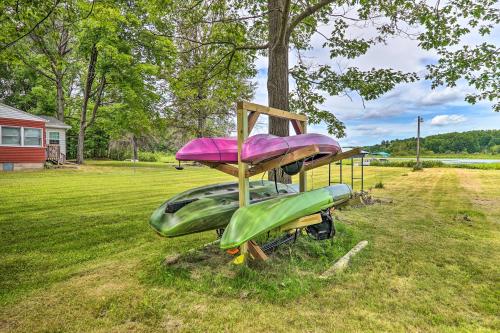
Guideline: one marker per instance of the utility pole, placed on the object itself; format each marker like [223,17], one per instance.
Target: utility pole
[419,120]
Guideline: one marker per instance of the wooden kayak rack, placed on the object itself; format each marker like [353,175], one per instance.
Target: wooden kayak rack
[247,115]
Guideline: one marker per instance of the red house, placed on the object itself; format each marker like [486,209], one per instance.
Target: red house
[22,139]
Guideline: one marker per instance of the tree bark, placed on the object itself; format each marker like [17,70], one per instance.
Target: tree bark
[79,148]
[60,98]
[201,125]
[277,74]
[86,96]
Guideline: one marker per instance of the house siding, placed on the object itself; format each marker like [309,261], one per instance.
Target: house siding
[20,154]
[62,137]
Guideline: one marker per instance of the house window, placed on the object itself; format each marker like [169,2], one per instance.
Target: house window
[54,138]
[32,136]
[11,136]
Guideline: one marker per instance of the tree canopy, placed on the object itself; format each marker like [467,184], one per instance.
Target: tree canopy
[277,27]
[171,70]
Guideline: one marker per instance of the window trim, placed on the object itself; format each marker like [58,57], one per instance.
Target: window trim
[22,137]
[11,145]
[58,139]
[41,137]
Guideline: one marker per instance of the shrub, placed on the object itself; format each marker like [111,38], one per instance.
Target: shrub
[408,164]
[146,156]
[418,167]
[379,185]
[118,154]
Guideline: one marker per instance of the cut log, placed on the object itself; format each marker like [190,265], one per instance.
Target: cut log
[342,263]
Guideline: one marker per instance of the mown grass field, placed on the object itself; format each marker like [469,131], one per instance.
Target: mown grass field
[76,254]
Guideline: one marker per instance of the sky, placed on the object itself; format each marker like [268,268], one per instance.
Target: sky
[393,115]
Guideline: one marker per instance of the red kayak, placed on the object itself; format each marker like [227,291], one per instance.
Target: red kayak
[256,148]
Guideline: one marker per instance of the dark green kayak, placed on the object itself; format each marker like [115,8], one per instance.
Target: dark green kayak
[251,221]
[208,207]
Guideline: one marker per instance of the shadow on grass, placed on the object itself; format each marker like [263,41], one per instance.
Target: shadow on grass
[289,273]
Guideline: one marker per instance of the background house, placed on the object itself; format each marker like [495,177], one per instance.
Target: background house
[25,141]
[55,139]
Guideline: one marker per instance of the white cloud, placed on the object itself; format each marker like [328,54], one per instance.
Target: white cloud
[370,129]
[393,115]
[445,120]
[383,112]
[443,96]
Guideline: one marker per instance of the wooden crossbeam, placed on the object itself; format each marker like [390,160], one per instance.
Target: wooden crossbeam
[224,167]
[270,111]
[284,160]
[302,222]
[252,120]
[256,252]
[297,126]
[329,159]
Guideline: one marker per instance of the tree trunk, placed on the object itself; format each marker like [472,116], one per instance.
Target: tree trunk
[277,74]
[201,125]
[134,146]
[60,98]
[79,148]
[91,72]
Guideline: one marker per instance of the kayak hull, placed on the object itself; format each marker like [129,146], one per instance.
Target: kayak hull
[224,150]
[256,148]
[208,207]
[250,221]
[262,147]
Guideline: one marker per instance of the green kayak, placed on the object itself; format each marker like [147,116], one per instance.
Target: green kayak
[251,221]
[208,207]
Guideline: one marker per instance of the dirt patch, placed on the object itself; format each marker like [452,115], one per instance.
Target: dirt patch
[171,324]
[469,182]
[104,280]
[200,261]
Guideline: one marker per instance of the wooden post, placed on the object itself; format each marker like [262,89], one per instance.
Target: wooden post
[419,121]
[302,175]
[243,188]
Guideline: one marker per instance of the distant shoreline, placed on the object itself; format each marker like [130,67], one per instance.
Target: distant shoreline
[452,156]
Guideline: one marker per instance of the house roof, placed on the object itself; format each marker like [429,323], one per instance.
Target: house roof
[10,112]
[54,122]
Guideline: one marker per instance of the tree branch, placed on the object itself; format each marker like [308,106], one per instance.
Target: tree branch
[284,22]
[310,10]
[234,19]
[38,70]
[9,44]
[216,42]
[98,101]
[253,47]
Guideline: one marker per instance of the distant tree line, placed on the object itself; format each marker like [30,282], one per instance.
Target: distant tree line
[481,141]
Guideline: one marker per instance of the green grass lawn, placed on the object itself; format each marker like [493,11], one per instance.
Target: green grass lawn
[77,254]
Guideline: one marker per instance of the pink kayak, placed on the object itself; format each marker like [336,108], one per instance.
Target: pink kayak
[256,148]
[209,150]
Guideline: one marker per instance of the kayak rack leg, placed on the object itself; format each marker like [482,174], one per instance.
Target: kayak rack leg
[243,188]
[329,174]
[303,175]
[244,124]
[256,252]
